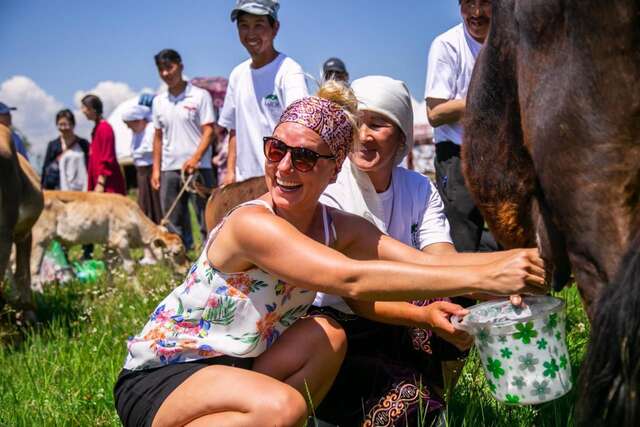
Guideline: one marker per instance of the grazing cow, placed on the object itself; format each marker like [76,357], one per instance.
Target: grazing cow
[224,198]
[20,205]
[552,156]
[74,217]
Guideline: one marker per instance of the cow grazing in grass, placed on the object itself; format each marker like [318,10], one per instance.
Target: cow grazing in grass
[552,157]
[224,198]
[74,217]
[20,205]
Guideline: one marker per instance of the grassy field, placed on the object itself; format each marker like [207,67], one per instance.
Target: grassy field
[62,372]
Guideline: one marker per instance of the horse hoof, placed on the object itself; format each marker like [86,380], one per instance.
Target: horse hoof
[26,317]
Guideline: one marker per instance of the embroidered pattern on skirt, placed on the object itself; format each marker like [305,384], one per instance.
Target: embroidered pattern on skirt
[399,405]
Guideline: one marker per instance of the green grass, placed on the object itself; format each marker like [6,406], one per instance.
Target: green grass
[62,372]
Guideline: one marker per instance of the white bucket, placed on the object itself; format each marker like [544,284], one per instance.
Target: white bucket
[522,349]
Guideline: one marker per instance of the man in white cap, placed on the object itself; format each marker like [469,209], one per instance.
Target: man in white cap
[451,60]
[5,119]
[259,89]
[138,119]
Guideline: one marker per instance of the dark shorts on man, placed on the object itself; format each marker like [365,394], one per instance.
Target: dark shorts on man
[139,394]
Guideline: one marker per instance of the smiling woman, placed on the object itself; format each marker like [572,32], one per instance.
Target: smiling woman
[235,330]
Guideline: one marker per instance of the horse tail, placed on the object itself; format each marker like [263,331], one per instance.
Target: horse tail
[610,379]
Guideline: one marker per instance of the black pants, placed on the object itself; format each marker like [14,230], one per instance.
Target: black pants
[466,222]
[180,223]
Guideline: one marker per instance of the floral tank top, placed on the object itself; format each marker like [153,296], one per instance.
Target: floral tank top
[214,313]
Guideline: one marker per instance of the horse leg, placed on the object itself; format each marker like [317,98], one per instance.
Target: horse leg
[497,165]
[5,253]
[23,277]
[610,377]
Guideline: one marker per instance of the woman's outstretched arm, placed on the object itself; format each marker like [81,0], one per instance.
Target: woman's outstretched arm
[254,236]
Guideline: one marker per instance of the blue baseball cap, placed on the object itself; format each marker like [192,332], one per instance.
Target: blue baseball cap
[256,7]
[5,109]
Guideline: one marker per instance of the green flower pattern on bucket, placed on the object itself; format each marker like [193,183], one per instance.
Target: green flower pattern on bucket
[526,361]
[525,332]
[493,366]
[550,368]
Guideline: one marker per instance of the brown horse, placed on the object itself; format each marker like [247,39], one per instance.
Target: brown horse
[552,157]
[224,198]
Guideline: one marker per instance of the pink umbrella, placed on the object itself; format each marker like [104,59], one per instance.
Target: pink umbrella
[216,86]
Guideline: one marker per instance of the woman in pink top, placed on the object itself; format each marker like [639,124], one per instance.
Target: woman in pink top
[104,171]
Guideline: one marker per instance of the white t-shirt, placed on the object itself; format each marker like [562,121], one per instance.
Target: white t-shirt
[255,100]
[451,59]
[73,169]
[180,118]
[142,146]
[410,211]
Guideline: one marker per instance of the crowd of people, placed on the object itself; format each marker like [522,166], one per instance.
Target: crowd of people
[334,289]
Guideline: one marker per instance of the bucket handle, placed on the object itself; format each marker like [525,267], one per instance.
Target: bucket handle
[458,323]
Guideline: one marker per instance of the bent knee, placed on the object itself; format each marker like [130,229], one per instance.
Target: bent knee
[282,406]
[334,333]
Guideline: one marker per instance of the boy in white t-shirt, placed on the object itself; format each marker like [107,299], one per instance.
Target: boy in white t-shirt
[259,89]
[451,60]
[183,120]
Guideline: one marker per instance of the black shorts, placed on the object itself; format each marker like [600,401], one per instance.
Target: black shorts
[139,394]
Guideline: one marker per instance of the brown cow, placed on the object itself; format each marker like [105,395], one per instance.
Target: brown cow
[552,157]
[20,205]
[226,197]
[74,217]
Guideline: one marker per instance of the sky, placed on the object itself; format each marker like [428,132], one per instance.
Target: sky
[52,52]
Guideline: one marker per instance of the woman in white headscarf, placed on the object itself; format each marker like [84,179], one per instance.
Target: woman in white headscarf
[386,365]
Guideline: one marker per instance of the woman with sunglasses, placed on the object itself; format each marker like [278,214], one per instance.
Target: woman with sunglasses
[232,345]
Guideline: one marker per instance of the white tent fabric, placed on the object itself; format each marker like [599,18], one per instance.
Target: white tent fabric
[122,132]
[421,128]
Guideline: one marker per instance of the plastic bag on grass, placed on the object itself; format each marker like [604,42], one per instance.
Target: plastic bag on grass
[89,271]
[54,265]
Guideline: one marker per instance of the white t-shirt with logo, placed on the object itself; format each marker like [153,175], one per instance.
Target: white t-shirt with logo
[180,118]
[255,100]
[451,59]
[142,146]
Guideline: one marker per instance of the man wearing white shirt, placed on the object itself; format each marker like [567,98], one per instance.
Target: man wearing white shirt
[183,120]
[259,89]
[451,60]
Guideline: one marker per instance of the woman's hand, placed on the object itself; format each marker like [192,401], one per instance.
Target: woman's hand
[99,188]
[520,273]
[437,318]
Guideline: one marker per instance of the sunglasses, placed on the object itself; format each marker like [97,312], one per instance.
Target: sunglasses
[302,159]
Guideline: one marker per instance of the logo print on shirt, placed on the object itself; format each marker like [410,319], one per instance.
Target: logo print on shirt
[271,101]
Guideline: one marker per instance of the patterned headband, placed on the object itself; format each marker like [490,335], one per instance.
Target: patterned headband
[327,119]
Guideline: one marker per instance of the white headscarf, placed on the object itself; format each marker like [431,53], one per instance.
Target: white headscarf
[391,98]
[136,112]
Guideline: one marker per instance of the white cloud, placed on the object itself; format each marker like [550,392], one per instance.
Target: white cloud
[36,110]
